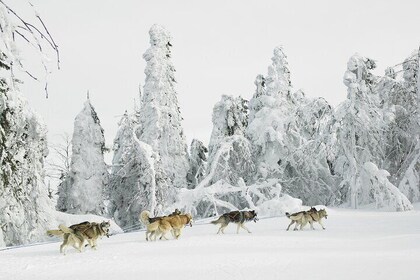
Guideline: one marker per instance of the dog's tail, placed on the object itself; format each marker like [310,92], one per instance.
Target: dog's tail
[55,232]
[144,217]
[287,215]
[65,229]
[218,221]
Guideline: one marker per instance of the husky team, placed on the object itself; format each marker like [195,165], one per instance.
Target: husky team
[158,227]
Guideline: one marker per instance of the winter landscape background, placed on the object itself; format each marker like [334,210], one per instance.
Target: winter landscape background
[85,135]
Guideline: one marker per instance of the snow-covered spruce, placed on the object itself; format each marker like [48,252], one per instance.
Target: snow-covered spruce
[24,203]
[287,133]
[160,117]
[137,179]
[198,163]
[86,189]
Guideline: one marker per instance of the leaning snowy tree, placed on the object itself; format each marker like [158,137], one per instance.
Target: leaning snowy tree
[24,202]
[85,190]
[160,116]
[360,127]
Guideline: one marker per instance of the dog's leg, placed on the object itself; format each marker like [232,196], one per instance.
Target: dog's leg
[62,248]
[237,230]
[223,228]
[291,223]
[147,235]
[94,244]
[312,225]
[220,229]
[296,225]
[303,224]
[321,224]
[244,227]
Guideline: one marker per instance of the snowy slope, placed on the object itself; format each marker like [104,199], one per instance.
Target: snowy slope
[356,245]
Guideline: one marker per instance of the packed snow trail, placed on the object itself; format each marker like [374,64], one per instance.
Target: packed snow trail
[357,244]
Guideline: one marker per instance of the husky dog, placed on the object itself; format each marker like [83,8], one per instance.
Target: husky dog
[175,224]
[161,225]
[77,234]
[317,217]
[303,217]
[237,217]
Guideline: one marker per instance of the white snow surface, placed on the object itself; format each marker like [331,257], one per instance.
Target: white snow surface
[357,244]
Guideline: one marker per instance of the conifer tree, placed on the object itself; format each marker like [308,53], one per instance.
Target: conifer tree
[86,187]
[160,116]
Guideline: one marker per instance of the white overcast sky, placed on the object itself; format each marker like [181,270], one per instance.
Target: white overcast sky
[219,47]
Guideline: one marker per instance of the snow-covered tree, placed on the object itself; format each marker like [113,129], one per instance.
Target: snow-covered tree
[399,98]
[410,169]
[270,111]
[305,170]
[198,162]
[360,127]
[160,116]
[375,188]
[85,190]
[24,203]
[410,182]
[230,119]
[137,179]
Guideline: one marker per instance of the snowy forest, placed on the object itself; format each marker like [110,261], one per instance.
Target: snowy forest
[273,153]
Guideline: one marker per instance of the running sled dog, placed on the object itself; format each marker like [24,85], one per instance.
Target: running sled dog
[77,234]
[237,217]
[304,217]
[174,223]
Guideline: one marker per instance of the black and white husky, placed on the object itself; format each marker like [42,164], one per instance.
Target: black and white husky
[237,217]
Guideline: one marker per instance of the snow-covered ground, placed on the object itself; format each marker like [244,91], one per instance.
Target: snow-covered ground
[357,244]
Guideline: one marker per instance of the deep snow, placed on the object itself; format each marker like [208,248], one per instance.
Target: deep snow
[357,244]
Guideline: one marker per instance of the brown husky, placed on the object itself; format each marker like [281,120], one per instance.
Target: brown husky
[77,234]
[161,225]
[237,217]
[303,217]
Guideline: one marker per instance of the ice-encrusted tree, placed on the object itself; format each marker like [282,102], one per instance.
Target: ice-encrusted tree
[137,181]
[270,111]
[305,170]
[376,188]
[230,119]
[360,128]
[410,169]
[198,162]
[25,208]
[399,98]
[86,185]
[160,116]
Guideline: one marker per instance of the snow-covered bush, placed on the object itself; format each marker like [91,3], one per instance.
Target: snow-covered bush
[376,188]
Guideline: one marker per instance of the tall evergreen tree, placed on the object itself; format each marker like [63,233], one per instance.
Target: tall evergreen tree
[270,111]
[24,204]
[160,116]
[137,179]
[87,183]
